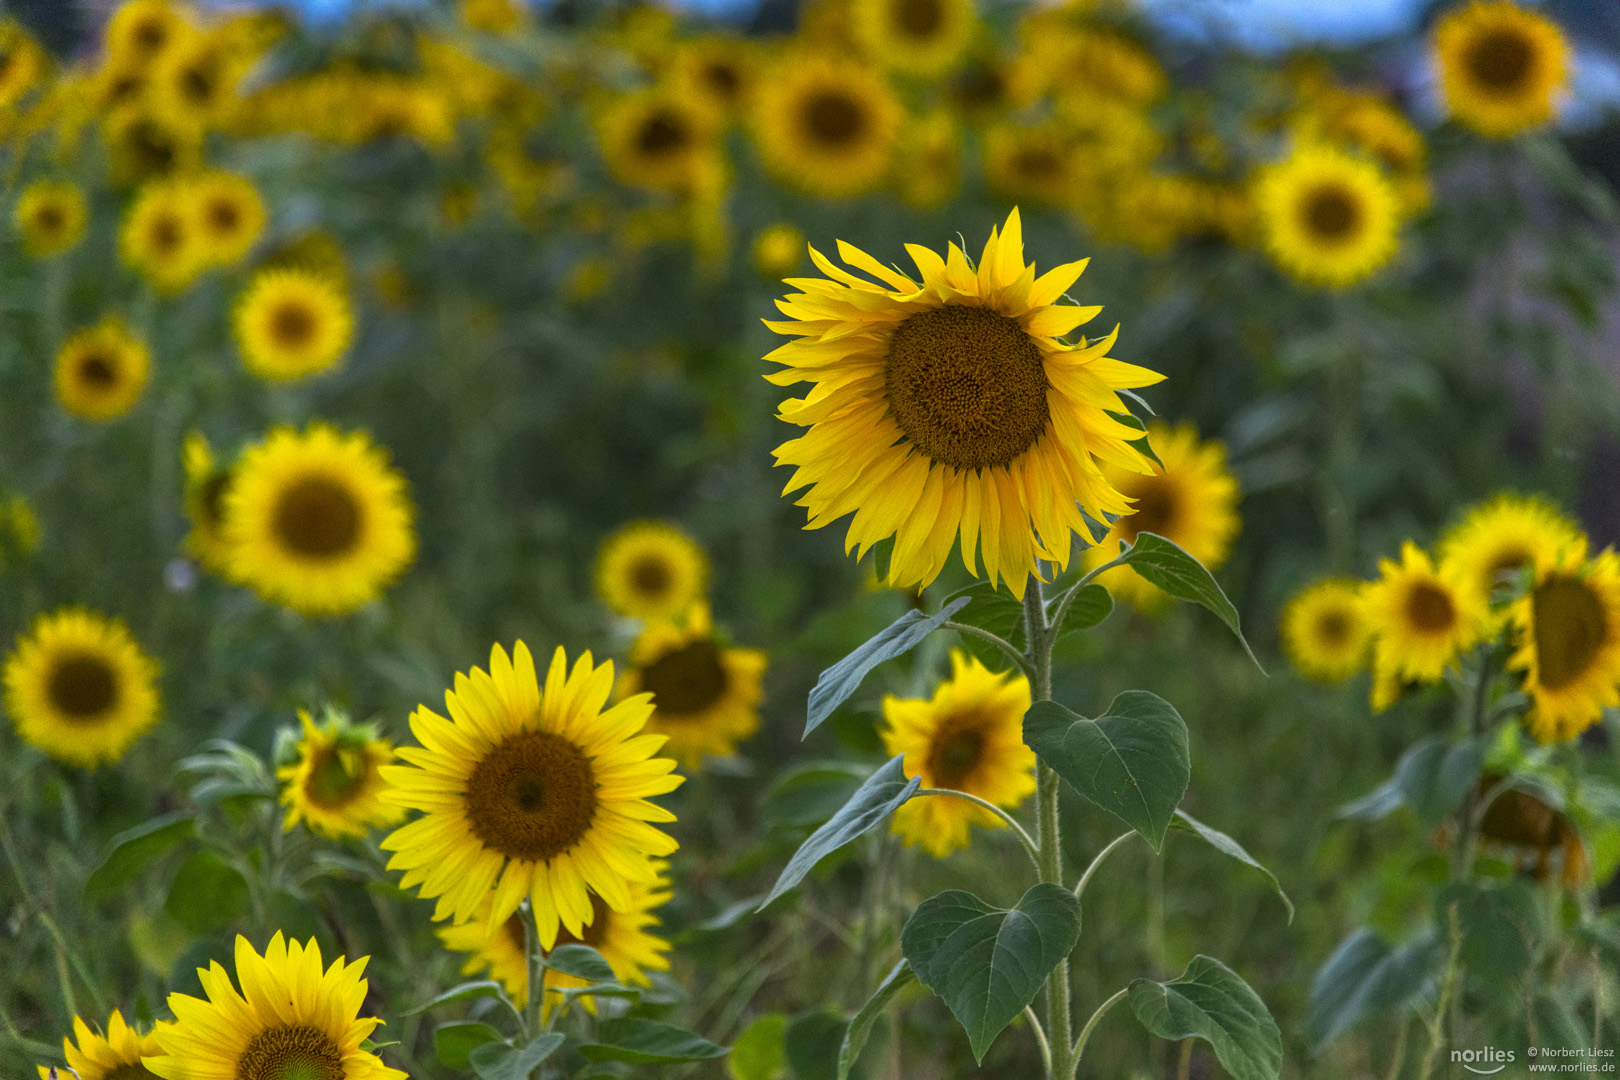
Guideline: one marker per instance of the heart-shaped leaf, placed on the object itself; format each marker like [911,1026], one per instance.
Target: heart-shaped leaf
[1211,1002]
[1090,606]
[498,1061]
[647,1042]
[900,977]
[580,961]
[1365,975]
[1228,846]
[1166,565]
[844,677]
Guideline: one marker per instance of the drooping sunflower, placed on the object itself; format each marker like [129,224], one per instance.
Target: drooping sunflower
[1325,630]
[113,1056]
[649,570]
[79,688]
[657,138]
[51,216]
[101,371]
[230,216]
[1498,538]
[292,1019]
[316,520]
[917,37]
[1569,643]
[532,795]
[206,484]
[1190,501]
[291,324]
[1327,216]
[778,250]
[1502,67]
[159,237]
[954,406]
[335,786]
[706,694]
[969,737]
[1422,617]
[826,126]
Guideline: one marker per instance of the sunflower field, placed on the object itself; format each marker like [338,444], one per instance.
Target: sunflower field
[839,539]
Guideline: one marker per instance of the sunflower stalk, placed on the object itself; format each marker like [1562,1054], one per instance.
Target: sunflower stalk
[537,971]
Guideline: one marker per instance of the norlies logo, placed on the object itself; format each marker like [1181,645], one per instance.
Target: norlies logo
[1486,1062]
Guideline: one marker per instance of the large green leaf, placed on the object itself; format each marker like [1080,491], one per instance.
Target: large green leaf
[1432,777]
[811,1043]
[647,1042]
[900,977]
[132,849]
[1228,846]
[1366,975]
[757,1052]
[844,677]
[1166,565]
[580,961]
[1132,761]
[988,963]
[1211,1002]
[207,893]
[809,794]
[499,1061]
[1090,606]
[873,801]
[453,1043]
[1498,924]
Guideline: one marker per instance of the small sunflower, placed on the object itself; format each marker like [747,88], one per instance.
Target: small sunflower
[929,160]
[532,795]
[113,1056]
[968,737]
[100,372]
[491,16]
[1325,630]
[1569,643]
[916,37]
[51,216]
[778,250]
[1503,536]
[140,30]
[230,216]
[193,82]
[657,139]
[291,324]
[80,688]
[705,694]
[160,237]
[317,521]
[1191,501]
[206,484]
[827,126]
[721,71]
[23,63]
[649,570]
[1422,617]
[1032,162]
[1502,67]
[335,787]
[1327,216]
[292,1020]
[146,147]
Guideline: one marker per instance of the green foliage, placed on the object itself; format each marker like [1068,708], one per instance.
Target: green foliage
[500,1061]
[841,680]
[1366,975]
[860,1026]
[637,1041]
[1211,1002]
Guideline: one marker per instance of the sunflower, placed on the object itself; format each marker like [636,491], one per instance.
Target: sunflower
[649,570]
[193,83]
[778,250]
[705,694]
[291,324]
[335,786]
[1499,538]
[954,406]
[968,737]
[140,30]
[1191,501]
[916,37]
[1422,618]
[100,372]
[1569,643]
[825,125]
[1038,162]
[147,147]
[491,16]
[929,158]
[317,521]
[160,237]
[291,1020]
[1325,630]
[79,687]
[657,139]
[23,63]
[114,1056]
[230,216]
[722,72]
[1327,216]
[537,796]
[206,485]
[1502,67]
[51,216]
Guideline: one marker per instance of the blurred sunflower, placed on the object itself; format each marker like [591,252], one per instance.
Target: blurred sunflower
[23,63]
[140,30]
[954,406]
[193,83]
[916,37]
[1025,162]
[113,1056]
[1328,217]
[534,796]
[649,570]
[1325,630]
[1191,501]
[1569,643]
[317,521]
[230,216]
[144,146]
[160,237]
[929,160]
[1499,538]
[100,372]
[657,139]
[291,324]
[778,250]
[825,125]
[722,72]
[1422,618]
[491,16]
[335,787]
[705,694]
[968,737]
[1502,67]
[51,216]
[206,485]
[80,688]
[293,1019]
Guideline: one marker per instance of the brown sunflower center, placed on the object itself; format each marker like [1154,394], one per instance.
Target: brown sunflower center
[967,386]
[955,752]
[83,687]
[224,216]
[1508,561]
[98,370]
[212,498]
[200,84]
[317,518]
[1571,627]
[1333,629]
[1331,212]
[331,783]
[918,18]
[834,119]
[131,1070]
[722,78]
[49,219]
[687,680]
[292,325]
[663,133]
[651,576]
[166,234]
[1429,608]
[1499,62]
[291,1052]
[1036,164]
[1157,508]
[150,35]
[152,149]
[532,797]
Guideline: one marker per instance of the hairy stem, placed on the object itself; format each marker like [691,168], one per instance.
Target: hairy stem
[999,642]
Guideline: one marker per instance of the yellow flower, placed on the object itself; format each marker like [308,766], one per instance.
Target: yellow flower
[722,72]
[825,125]
[658,139]
[1328,217]
[19,527]
[968,737]
[100,372]
[114,1056]
[537,796]
[140,30]
[1502,67]
[705,694]
[929,160]
[954,406]
[79,687]
[778,250]
[23,63]
[916,37]
[648,570]
[1422,618]
[1569,643]
[291,324]
[160,237]
[317,521]
[1191,501]
[51,217]
[206,485]
[1025,162]
[491,16]
[291,1019]
[335,787]
[144,146]
[1325,630]
[1501,537]
[230,216]
[193,82]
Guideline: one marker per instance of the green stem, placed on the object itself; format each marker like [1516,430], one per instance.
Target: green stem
[537,970]
[1040,1038]
[1468,818]
[1085,1032]
[999,642]
[1023,837]
[1080,886]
